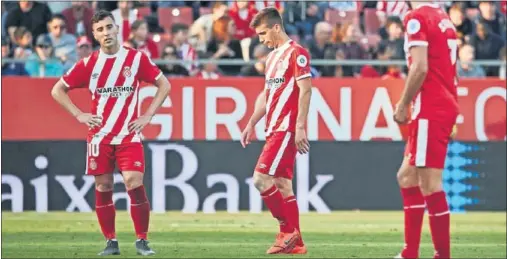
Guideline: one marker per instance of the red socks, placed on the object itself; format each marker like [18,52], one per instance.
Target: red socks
[140,211]
[439,216]
[291,207]
[106,213]
[275,203]
[413,205]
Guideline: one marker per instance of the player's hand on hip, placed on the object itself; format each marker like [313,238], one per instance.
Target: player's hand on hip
[246,135]
[301,140]
[139,123]
[400,114]
[90,120]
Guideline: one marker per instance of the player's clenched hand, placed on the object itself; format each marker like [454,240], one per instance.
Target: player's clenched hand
[400,114]
[302,143]
[138,125]
[90,120]
[246,135]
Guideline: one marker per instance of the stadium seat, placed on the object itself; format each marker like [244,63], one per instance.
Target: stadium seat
[333,17]
[371,21]
[143,11]
[168,16]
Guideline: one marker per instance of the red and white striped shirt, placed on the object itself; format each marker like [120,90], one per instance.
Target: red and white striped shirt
[113,81]
[188,53]
[392,8]
[284,67]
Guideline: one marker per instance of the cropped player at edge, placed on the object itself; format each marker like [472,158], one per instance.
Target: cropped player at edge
[285,101]
[431,46]
[112,75]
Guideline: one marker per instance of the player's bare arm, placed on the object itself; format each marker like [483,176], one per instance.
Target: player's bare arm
[60,94]
[259,112]
[413,83]
[164,87]
[305,94]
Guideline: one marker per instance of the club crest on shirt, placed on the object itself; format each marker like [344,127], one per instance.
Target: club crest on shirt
[93,164]
[126,72]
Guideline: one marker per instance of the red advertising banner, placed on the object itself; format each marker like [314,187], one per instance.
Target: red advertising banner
[341,109]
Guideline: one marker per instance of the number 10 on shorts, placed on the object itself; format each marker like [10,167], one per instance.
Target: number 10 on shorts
[93,150]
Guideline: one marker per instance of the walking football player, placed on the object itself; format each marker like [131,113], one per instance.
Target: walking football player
[285,101]
[112,75]
[431,47]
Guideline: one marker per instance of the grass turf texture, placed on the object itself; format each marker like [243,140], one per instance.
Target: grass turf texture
[243,235]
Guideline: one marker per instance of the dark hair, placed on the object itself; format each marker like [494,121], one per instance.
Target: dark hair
[101,15]
[58,16]
[137,23]
[269,16]
[177,27]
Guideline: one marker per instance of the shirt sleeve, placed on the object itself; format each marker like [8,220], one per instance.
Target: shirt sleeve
[416,31]
[301,58]
[148,71]
[76,76]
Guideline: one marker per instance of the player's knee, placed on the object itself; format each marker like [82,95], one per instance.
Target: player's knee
[132,180]
[430,181]
[262,182]
[285,186]
[104,186]
[407,177]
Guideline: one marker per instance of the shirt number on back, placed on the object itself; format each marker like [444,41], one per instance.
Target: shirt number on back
[453,46]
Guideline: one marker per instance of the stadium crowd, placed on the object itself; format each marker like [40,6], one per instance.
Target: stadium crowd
[60,33]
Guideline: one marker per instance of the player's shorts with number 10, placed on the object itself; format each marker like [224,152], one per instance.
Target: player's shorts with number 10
[102,158]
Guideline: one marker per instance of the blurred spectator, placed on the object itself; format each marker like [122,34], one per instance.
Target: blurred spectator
[258,69]
[84,47]
[393,72]
[32,15]
[124,16]
[465,67]
[351,48]
[490,16]
[52,67]
[344,6]
[208,70]
[175,70]
[105,5]
[223,44]
[502,71]
[487,45]
[394,42]
[300,17]
[321,41]
[259,4]
[464,26]
[4,18]
[202,27]
[23,43]
[11,69]
[78,18]
[242,14]
[64,44]
[336,36]
[140,40]
[58,6]
[398,8]
[184,50]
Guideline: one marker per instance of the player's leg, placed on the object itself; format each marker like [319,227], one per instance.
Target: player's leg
[413,208]
[429,159]
[270,161]
[292,211]
[100,164]
[130,159]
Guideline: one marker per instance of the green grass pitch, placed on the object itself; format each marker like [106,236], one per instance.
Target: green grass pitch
[243,235]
